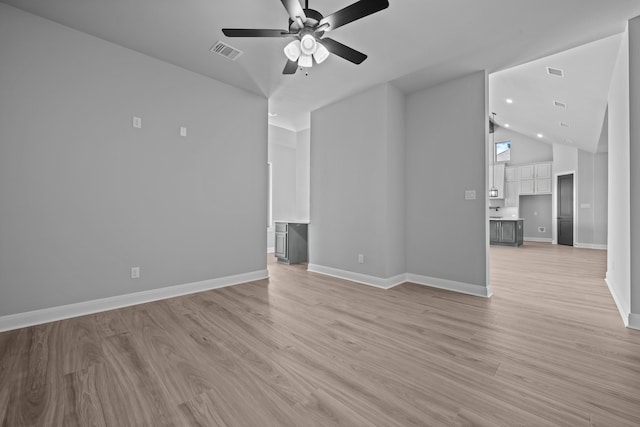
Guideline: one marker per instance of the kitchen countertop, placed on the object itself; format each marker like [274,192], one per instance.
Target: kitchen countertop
[292,221]
[506,219]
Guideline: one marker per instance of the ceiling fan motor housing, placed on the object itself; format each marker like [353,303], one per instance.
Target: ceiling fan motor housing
[313,18]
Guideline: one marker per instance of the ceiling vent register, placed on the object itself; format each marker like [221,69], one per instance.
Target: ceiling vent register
[555,72]
[225,50]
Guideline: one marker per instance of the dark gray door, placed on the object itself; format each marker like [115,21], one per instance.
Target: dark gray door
[565,210]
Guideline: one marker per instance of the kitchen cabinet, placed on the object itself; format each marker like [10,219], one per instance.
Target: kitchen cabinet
[543,186]
[506,232]
[496,179]
[511,190]
[526,172]
[511,195]
[535,178]
[543,178]
[291,242]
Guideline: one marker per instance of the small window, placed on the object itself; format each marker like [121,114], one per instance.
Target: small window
[503,151]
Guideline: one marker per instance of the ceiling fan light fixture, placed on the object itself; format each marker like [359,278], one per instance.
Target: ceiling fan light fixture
[321,54]
[292,50]
[305,61]
[308,44]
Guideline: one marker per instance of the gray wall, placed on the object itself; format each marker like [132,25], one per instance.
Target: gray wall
[356,184]
[446,155]
[523,149]
[601,198]
[396,136]
[618,256]
[536,211]
[592,199]
[634,172]
[303,178]
[84,196]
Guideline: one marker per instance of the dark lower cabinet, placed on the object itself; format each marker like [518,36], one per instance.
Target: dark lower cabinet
[291,242]
[506,232]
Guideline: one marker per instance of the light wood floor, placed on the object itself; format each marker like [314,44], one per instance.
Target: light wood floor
[303,349]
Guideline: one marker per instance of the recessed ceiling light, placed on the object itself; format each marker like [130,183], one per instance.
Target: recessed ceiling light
[540,135]
[509,101]
[507,125]
[273,114]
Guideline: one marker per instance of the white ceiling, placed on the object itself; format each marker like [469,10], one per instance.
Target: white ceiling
[583,89]
[413,44]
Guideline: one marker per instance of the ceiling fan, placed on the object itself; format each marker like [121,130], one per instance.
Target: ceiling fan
[308,26]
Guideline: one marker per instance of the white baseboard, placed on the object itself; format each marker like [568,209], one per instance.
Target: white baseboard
[538,239]
[358,277]
[590,246]
[36,317]
[450,285]
[623,312]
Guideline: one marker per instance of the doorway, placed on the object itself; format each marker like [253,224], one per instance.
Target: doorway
[565,210]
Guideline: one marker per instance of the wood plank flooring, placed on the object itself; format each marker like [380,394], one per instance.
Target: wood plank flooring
[302,349]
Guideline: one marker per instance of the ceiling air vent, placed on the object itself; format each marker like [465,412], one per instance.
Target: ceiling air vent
[555,72]
[225,50]
[564,125]
[560,104]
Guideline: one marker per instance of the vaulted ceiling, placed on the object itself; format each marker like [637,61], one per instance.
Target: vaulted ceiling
[558,99]
[413,44]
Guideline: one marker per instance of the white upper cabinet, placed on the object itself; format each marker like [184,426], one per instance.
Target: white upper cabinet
[535,178]
[543,170]
[526,172]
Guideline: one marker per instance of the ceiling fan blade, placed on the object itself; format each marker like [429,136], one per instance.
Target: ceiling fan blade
[290,68]
[247,32]
[353,12]
[294,9]
[343,51]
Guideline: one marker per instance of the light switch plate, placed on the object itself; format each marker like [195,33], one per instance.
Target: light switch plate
[470,195]
[183,131]
[137,122]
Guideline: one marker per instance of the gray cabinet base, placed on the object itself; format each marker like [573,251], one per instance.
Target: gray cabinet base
[291,243]
[506,232]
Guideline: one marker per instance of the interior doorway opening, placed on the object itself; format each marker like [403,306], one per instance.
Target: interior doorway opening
[555,176]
